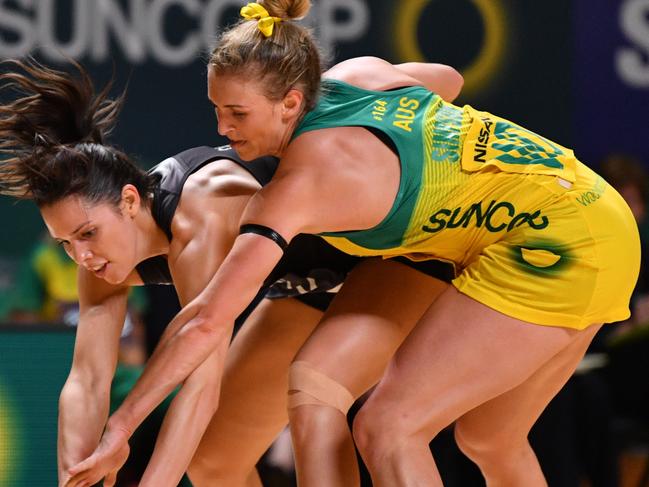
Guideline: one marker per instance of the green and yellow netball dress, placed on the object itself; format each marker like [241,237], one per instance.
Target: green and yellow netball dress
[532,232]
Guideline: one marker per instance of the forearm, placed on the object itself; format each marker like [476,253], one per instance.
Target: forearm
[82,416]
[84,401]
[203,326]
[169,366]
[184,424]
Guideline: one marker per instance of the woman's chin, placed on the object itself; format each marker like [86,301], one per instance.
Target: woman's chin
[111,277]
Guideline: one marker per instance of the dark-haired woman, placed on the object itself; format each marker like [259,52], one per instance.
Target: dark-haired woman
[175,224]
[542,266]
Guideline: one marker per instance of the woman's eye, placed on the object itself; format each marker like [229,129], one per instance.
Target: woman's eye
[88,233]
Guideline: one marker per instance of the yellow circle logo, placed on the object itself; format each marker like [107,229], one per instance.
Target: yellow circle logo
[483,69]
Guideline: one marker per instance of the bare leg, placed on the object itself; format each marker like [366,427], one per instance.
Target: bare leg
[461,354]
[494,435]
[377,307]
[252,408]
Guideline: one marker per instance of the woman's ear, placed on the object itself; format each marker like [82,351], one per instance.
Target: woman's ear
[292,103]
[131,201]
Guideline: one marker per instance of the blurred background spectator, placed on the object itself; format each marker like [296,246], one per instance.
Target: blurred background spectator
[627,343]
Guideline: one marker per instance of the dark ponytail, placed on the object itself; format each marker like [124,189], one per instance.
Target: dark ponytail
[53,129]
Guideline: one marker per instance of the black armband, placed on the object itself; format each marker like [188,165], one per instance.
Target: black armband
[264,232]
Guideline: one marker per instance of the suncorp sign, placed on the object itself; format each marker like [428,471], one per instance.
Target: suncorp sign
[631,61]
[137,27]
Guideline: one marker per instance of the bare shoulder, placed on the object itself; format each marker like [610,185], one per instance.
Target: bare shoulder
[313,158]
[211,201]
[323,174]
[371,73]
[221,176]
[331,154]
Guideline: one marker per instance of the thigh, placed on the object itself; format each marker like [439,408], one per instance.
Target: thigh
[460,355]
[376,308]
[509,417]
[253,400]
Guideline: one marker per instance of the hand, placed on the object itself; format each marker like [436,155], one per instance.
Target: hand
[104,463]
[64,479]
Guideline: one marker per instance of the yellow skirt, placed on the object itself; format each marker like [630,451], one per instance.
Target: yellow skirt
[577,271]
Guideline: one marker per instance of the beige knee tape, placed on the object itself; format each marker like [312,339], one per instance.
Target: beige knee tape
[308,386]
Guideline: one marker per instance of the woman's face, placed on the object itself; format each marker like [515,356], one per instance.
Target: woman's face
[255,125]
[96,236]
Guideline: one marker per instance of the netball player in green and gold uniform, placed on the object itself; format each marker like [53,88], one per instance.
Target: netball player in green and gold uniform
[545,250]
[460,199]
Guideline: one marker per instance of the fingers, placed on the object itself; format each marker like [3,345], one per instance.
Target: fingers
[86,464]
[110,479]
[77,481]
[85,474]
[99,465]
[88,479]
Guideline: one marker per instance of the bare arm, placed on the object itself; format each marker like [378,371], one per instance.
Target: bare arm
[438,78]
[377,74]
[202,238]
[193,407]
[185,423]
[204,328]
[84,399]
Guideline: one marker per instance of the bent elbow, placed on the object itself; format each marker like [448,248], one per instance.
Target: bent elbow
[459,84]
[454,82]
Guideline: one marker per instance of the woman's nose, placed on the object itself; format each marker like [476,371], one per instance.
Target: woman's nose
[221,128]
[81,252]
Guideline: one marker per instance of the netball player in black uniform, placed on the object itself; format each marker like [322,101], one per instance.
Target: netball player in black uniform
[174,224]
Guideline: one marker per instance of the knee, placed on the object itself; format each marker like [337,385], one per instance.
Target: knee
[306,422]
[486,446]
[467,441]
[367,430]
[315,401]
[381,431]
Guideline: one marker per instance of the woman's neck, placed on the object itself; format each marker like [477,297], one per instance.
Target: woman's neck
[154,241]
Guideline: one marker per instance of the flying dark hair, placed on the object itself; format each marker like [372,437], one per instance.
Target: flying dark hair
[53,128]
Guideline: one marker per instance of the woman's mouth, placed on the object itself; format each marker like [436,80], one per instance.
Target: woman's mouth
[99,270]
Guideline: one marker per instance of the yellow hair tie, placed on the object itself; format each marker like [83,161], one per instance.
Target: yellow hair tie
[266,23]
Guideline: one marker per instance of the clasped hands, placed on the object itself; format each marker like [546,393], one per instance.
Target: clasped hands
[104,463]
